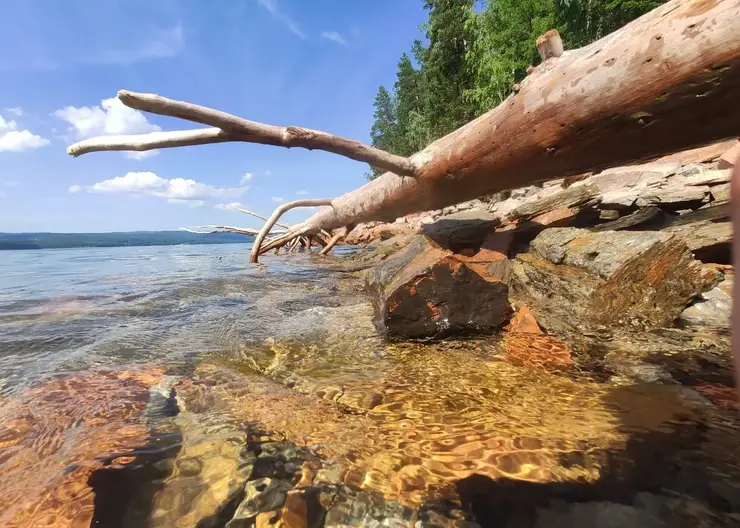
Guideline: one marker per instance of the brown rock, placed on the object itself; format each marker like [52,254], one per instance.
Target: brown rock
[612,277]
[426,291]
[707,232]
[462,230]
[295,511]
[645,217]
[574,197]
[524,322]
[561,217]
[730,157]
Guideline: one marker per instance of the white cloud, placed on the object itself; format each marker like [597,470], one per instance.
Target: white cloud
[17,110]
[75,188]
[246,178]
[190,203]
[334,37]
[161,44]
[175,190]
[268,173]
[233,206]
[301,193]
[108,119]
[146,154]
[272,7]
[278,199]
[14,140]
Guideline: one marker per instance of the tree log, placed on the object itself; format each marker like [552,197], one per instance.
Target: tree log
[667,81]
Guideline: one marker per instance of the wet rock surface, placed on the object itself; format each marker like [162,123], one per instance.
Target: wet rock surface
[428,291]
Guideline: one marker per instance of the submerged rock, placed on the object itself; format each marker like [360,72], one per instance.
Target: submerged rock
[428,291]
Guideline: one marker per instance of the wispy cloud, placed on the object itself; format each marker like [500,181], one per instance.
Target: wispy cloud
[301,193]
[17,110]
[233,206]
[246,178]
[146,154]
[161,44]
[190,203]
[278,199]
[274,10]
[334,37]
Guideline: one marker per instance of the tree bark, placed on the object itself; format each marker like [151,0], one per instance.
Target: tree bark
[668,81]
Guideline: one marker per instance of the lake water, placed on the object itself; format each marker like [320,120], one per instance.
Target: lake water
[182,386]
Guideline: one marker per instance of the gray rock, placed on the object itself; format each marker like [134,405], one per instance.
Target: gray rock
[597,514]
[261,495]
[712,308]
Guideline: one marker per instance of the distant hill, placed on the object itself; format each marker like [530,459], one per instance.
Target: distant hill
[133,238]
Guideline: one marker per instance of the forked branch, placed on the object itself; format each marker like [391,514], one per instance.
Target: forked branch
[254,256]
[237,129]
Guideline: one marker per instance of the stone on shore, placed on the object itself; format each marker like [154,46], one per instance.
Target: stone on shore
[428,291]
[711,308]
[622,277]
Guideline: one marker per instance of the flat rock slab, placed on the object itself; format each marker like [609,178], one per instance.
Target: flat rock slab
[613,277]
[428,291]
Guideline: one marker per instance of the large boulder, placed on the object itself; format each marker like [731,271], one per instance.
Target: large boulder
[620,277]
[428,291]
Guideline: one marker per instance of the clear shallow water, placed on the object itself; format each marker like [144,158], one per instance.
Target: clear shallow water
[155,386]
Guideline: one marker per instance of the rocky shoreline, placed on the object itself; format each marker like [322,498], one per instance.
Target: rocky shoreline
[639,246]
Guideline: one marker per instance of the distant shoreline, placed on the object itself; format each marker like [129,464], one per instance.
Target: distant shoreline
[30,241]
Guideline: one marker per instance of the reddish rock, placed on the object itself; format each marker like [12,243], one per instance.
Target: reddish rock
[720,395]
[524,322]
[427,291]
[730,157]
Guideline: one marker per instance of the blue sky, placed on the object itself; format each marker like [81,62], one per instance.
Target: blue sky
[314,63]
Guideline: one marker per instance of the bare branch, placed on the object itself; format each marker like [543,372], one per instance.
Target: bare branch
[150,141]
[240,129]
[262,217]
[282,240]
[227,229]
[254,256]
[338,235]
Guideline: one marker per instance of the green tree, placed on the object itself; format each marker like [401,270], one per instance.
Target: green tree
[584,21]
[446,77]
[384,132]
[506,33]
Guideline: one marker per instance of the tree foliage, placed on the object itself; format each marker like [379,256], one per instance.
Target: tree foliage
[472,55]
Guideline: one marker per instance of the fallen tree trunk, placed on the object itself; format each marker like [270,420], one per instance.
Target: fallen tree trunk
[666,82]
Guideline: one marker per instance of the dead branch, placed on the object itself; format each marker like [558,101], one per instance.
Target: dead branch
[238,129]
[150,141]
[283,239]
[245,211]
[338,235]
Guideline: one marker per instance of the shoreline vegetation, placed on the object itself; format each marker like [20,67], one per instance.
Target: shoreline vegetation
[26,241]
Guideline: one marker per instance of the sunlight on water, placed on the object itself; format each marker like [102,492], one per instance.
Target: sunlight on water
[181,386]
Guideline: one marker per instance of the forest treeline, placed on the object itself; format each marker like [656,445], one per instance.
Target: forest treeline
[472,55]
